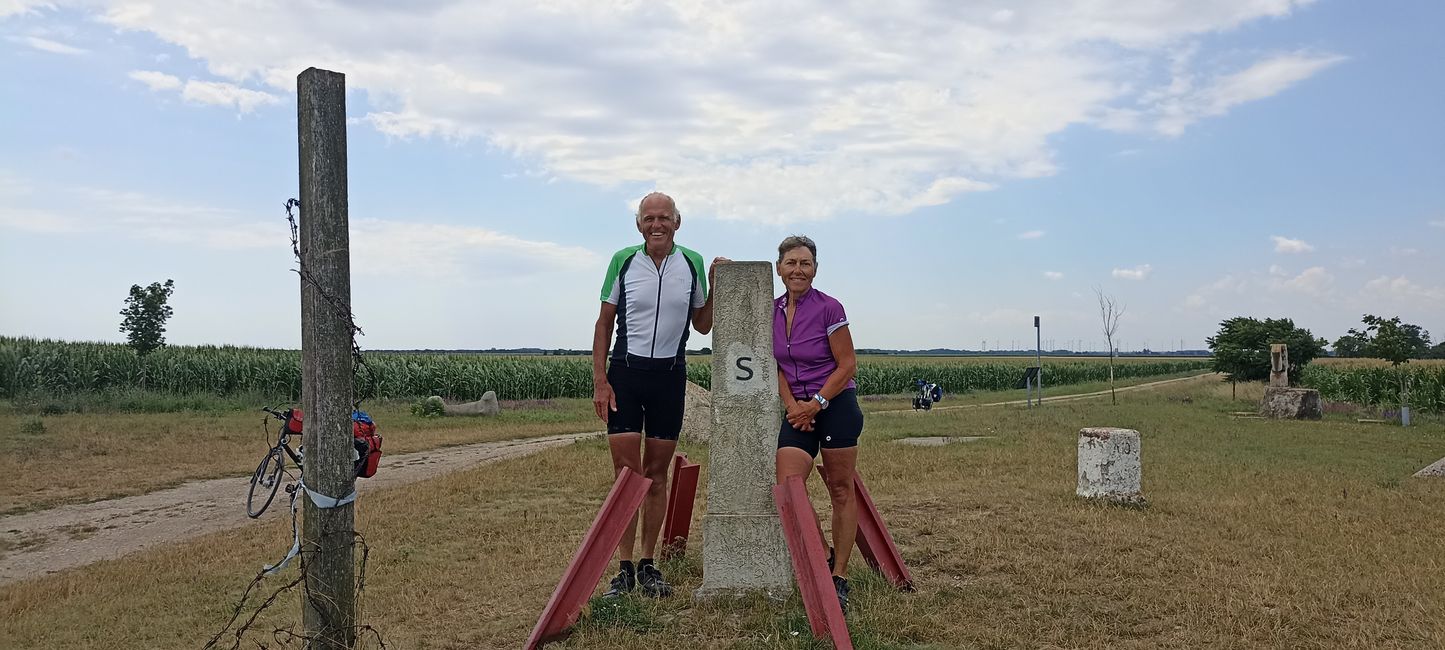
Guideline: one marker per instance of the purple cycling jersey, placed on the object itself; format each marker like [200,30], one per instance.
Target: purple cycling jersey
[804,356]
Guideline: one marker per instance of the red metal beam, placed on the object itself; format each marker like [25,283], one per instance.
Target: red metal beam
[874,541]
[810,563]
[680,498]
[591,560]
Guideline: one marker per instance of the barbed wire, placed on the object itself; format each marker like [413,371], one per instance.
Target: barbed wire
[341,309]
[286,637]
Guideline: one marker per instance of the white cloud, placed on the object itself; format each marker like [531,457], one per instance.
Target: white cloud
[1137,273]
[754,110]
[1314,281]
[1173,108]
[1194,301]
[1053,275]
[156,80]
[443,250]
[1403,251]
[213,93]
[1287,245]
[1402,287]
[1275,269]
[44,44]
[1032,234]
[1438,223]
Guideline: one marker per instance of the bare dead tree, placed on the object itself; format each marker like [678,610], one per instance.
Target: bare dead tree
[1109,313]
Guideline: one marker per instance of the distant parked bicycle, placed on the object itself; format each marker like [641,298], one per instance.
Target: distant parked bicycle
[267,478]
[928,393]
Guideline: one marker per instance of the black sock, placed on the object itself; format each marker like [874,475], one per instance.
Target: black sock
[626,566]
[647,561]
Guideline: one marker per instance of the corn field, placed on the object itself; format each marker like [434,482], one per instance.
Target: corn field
[43,367]
[1378,384]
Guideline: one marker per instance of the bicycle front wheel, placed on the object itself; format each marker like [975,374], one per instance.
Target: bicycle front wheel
[264,483]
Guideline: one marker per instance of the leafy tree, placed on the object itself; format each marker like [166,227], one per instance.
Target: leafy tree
[1351,345]
[1392,339]
[145,315]
[1437,352]
[1241,348]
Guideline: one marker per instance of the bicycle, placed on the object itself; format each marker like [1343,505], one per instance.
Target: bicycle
[927,393]
[267,477]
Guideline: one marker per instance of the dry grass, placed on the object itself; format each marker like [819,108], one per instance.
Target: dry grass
[1260,534]
[85,457]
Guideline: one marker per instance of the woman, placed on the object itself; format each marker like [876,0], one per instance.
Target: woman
[816,363]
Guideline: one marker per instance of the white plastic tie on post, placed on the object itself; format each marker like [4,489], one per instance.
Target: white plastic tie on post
[321,501]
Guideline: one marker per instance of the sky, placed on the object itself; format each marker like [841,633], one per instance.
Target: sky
[962,166]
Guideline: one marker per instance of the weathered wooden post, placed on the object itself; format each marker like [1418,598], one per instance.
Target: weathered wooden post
[328,604]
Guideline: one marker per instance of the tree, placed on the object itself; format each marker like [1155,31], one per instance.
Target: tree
[145,315]
[1391,339]
[1241,348]
[1351,345]
[1109,313]
[1396,342]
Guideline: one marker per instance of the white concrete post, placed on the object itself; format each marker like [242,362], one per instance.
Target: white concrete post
[743,547]
[1109,466]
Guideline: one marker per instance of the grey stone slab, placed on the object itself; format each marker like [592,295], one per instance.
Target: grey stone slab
[1434,470]
[1291,404]
[938,441]
[1109,464]
[487,405]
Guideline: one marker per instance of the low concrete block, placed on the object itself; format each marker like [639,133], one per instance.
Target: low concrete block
[1109,465]
[487,405]
[1434,470]
[1291,404]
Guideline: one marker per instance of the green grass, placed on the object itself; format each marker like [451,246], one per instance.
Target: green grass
[1259,534]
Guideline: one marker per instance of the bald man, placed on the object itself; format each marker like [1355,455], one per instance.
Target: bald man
[654,293]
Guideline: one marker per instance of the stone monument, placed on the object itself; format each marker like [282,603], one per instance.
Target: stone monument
[743,547]
[1282,402]
[1279,365]
[1109,465]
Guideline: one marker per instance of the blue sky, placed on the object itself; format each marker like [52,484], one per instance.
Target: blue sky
[962,166]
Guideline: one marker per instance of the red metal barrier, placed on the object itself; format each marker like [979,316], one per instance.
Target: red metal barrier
[680,498]
[810,563]
[874,541]
[591,559]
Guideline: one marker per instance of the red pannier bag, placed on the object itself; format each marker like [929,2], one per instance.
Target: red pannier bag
[293,421]
[367,443]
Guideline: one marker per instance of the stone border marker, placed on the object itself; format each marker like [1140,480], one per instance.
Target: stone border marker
[1109,465]
[743,547]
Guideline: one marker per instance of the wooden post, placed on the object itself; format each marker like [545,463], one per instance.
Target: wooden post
[328,605]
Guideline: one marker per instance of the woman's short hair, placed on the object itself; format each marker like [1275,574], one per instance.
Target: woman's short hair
[797,241]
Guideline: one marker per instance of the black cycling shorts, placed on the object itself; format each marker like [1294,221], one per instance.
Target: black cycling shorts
[648,401]
[835,427]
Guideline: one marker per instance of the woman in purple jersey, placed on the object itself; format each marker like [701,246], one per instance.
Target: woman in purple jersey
[816,364]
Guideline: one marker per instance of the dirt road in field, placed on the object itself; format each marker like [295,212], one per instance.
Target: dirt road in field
[40,543]
[1061,398]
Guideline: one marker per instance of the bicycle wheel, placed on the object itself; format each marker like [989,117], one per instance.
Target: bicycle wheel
[265,482]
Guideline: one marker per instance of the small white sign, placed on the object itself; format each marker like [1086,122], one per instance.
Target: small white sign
[744,373]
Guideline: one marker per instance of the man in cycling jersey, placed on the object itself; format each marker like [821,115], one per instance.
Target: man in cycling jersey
[653,293]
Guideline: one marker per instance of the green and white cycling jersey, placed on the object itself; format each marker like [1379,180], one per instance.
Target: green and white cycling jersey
[654,302]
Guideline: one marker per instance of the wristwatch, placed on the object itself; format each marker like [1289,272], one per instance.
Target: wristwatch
[822,402]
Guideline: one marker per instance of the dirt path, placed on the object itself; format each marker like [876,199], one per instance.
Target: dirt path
[1061,398]
[53,540]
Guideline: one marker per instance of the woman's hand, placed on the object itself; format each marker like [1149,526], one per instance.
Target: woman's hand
[802,413]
